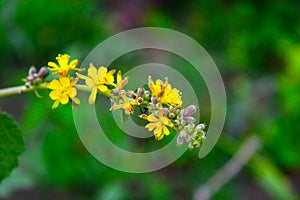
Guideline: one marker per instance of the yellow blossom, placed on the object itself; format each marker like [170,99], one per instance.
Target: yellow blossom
[158,124]
[97,80]
[164,92]
[63,89]
[126,105]
[120,82]
[63,67]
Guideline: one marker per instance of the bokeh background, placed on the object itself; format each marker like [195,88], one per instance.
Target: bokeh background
[256,46]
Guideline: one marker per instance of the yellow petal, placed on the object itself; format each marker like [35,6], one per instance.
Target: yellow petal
[102,88]
[152,126]
[92,71]
[64,99]
[151,118]
[101,72]
[93,95]
[63,59]
[81,76]
[76,100]
[158,133]
[166,121]
[119,76]
[72,92]
[55,84]
[73,63]
[166,130]
[52,66]
[73,81]
[65,82]
[109,78]
[116,107]
[55,94]
[55,104]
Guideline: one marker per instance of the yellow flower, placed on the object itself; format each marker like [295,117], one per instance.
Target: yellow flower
[63,89]
[64,67]
[97,79]
[158,124]
[164,92]
[120,82]
[126,105]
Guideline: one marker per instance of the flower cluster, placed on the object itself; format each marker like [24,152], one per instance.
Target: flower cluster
[63,89]
[159,103]
[34,78]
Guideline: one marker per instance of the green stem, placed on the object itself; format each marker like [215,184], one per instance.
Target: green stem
[22,89]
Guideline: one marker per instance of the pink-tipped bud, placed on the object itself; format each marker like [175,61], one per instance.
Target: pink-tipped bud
[141,92]
[154,100]
[31,71]
[190,109]
[27,84]
[42,72]
[132,94]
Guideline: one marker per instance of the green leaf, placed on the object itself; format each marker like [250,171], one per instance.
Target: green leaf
[11,145]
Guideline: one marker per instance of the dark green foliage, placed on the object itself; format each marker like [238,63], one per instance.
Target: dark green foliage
[11,145]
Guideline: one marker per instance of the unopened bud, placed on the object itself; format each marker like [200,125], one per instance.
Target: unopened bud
[42,72]
[32,71]
[132,94]
[141,91]
[154,100]
[115,92]
[172,109]
[171,115]
[122,92]
[177,122]
[27,84]
[190,109]
[140,99]
[200,127]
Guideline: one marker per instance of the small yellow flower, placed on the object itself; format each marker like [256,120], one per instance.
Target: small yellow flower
[126,105]
[120,82]
[164,92]
[97,79]
[64,67]
[63,89]
[158,124]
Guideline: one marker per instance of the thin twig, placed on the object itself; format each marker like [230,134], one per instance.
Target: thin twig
[230,169]
[22,89]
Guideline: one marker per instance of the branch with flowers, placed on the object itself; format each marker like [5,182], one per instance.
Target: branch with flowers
[162,104]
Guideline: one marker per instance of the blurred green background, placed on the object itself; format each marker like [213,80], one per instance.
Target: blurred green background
[256,46]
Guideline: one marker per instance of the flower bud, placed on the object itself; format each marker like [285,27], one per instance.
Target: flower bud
[157,106]
[200,127]
[147,93]
[141,91]
[32,70]
[190,109]
[177,122]
[115,92]
[122,92]
[171,115]
[154,100]
[172,109]
[189,119]
[132,94]
[27,84]
[42,72]
[140,99]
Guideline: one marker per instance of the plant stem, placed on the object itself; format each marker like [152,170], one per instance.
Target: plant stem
[22,89]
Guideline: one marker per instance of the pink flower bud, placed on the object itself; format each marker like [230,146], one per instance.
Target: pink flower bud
[42,72]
